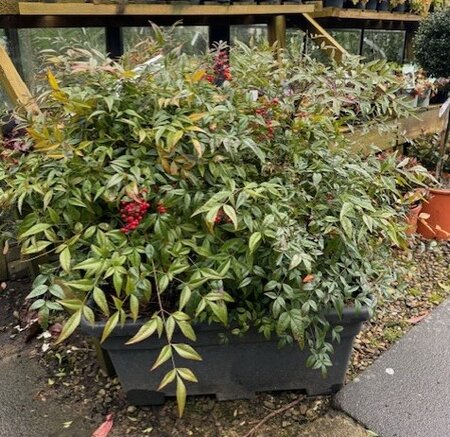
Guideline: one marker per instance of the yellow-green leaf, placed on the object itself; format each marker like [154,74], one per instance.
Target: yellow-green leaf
[70,326]
[186,351]
[231,213]
[110,325]
[164,355]
[198,147]
[100,300]
[64,259]
[168,378]
[145,331]
[36,229]
[187,374]
[255,238]
[134,307]
[52,81]
[181,396]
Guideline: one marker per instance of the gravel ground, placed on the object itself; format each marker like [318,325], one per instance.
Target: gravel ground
[74,377]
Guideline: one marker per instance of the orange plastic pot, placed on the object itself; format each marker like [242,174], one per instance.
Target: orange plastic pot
[437,225]
[412,219]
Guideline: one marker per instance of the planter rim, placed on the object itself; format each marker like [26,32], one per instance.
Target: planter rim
[442,191]
[349,316]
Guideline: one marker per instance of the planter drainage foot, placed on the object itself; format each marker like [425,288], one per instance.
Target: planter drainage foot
[145,397]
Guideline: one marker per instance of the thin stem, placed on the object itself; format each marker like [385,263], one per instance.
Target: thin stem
[169,341]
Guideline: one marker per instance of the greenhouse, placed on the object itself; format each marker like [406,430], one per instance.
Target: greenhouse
[224,218]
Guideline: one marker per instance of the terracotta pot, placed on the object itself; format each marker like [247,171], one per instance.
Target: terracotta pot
[437,226]
[412,219]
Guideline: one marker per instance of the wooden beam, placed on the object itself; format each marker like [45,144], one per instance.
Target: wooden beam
[13,84]
[177,8]
[358,14]
[320,36]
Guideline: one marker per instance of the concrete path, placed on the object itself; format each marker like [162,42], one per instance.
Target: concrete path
[406,392]
[24,409]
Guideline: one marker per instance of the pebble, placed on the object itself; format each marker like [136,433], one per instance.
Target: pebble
[131,409]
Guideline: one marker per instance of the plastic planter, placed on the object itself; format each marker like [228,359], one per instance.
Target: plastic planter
[235,370]
[383,6]
[333,3]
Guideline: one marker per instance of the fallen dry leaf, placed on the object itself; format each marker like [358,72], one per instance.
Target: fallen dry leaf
[105,427]
[417,319]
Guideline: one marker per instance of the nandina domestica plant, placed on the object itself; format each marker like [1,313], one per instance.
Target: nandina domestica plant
[188,190]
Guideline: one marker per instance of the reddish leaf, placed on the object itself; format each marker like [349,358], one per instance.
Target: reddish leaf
[417,319]
[105,427]
[308,278]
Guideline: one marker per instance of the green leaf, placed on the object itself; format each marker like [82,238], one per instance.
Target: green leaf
[368,222]
[164,355]
[88,264]
[70,326]
[181,396]
[295,261]
[100,300]
[37,291]
[163,283]
[186,351]
[347,226]
[110,325]
[231,213]
[220,311]
[347,209]
[170,327]
[187,330]
[64,259]
[145,331]
[37,304]
[253,241]
[36,229]
[168,378]
[186,294]
[134,307]
[37,247]
[72,304]
[187,374]
[57,291]
[89,315]
[81,284]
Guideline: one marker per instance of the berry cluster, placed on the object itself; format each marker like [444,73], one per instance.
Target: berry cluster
[221,69]
[266,112]
[161,208]
[132,213]
[221,217]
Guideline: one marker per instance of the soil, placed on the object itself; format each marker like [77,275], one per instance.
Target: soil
[75,379]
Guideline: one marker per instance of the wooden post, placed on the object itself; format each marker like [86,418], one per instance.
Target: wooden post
[13,84]
[320,36]
[277,31]
[114,41]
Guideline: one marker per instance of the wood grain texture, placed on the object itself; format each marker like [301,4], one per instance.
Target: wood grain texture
[176,8]
[8,7]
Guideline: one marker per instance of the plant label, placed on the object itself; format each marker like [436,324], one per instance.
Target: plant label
[444,108]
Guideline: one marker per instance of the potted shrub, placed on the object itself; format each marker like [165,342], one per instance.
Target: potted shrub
[190,202]
[358,4]
[419,7]
[398,5]
[431,44]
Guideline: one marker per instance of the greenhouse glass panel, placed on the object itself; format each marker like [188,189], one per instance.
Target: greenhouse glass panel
[384,44]
[349,39]
[34,41]
[252,36]
[194,39]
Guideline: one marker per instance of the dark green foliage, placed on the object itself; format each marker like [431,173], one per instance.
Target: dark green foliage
[432,43]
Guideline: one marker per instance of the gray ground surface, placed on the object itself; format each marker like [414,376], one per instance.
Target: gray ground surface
[406,392]
[24,410]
